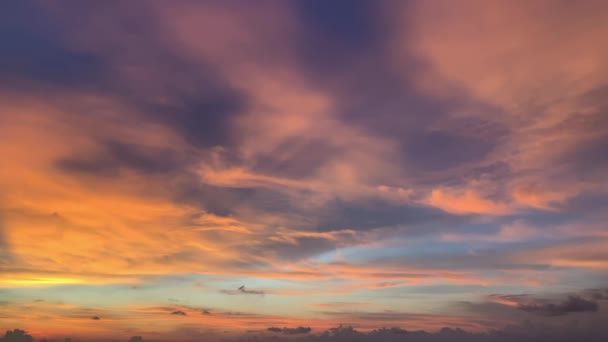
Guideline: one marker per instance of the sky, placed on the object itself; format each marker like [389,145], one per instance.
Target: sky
[186,170]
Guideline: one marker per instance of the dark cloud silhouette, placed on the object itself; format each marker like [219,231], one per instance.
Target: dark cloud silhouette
[569,305]
[503,305]
[298,330]
[95,318]
[525,332]
[206,312]
[179,313]
[291,331]
[17,335]
[242,290]
[396,334]
[597,294]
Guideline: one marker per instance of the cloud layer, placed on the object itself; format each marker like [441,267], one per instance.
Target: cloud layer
[366,163]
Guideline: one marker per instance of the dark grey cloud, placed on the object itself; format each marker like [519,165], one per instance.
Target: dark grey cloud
[95,318]
[243,290]
[586,160]
[175,168]
[553,307]
[192,97]
[597,294]
[571,304]
[116,156]
[179,313]
[17,335]
[36,56]
[203,118]
[376,213]
[308,155]
[331,48]
[297,330]
[521,333]
[435,150]
[291,331]
[44,50]
[336,32]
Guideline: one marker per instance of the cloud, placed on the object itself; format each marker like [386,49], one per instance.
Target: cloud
[467,202]
[338,305]
[570,305]
[95,318]
[291,331]
[445,334]
[116,156]
[597,294]
[243,290]
[585,301]
[548,127]
[337,151]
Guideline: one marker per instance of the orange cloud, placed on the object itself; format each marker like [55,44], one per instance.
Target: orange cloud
[585,254]
[537,65]
[465,202]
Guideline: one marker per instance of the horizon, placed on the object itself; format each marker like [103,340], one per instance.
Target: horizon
[267,170]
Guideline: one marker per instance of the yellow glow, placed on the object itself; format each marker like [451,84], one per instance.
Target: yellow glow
[43,281]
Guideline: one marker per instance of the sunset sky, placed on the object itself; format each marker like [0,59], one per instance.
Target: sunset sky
[187,169]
